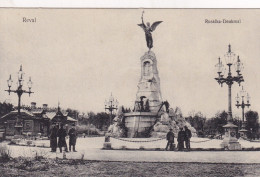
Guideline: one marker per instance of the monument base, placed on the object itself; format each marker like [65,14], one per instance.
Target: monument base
[139,124]
[230,141]
[243,133]
[107,145]
[231,144]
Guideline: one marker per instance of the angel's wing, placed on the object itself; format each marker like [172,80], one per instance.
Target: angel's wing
[155,24]
[142,26]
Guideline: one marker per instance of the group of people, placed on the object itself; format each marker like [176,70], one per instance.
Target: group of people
[183,136]
[58,138]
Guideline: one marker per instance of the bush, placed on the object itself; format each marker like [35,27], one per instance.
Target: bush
[84,129]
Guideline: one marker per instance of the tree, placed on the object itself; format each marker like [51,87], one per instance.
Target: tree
[73,113]
[252,119]
[102,120]
[99,120]
[5,108]
[197,121]
[237,122]
[215,125]
[221,120]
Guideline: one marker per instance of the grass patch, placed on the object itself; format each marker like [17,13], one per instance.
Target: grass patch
[61,167]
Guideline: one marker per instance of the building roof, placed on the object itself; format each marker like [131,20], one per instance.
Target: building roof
[40,113]
[37,111]
[23,113]
[50,115]
[71,119]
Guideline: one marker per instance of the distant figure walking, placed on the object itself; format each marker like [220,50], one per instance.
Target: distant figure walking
[62,141]
[187,137]
[170,138]
[73,137]
[181,137]
[53,138]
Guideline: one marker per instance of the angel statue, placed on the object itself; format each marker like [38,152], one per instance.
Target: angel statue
[148,31]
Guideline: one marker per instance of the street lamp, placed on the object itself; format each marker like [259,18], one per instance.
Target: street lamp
[19,90]
[243,94]
[230,141]
[111,105]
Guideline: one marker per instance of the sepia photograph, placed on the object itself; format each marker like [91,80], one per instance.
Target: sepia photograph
[129,92]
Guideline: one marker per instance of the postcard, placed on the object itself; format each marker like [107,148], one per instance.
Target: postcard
[129,92]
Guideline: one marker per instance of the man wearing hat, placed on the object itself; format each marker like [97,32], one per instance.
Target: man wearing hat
[181,138]
[73,138]
[187,137]
[62,138]
[53,138]
[170,138]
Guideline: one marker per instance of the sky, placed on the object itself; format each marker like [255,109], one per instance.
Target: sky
[79,56]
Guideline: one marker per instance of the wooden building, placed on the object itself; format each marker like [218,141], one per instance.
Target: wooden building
[35,120]
[31,123]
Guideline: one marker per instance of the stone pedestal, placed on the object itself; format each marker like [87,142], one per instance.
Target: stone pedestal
[149,83]
[148,101]
[230,145]
[243,132]
[139,123]
[230,141]
[107,145]
[150,111]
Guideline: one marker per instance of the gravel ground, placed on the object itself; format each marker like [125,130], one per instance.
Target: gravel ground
[51,167]
[90,149]
[104,163]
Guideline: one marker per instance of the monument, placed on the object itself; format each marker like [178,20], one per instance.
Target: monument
[151,114]
[149,104]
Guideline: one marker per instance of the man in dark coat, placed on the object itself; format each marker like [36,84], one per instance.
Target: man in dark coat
[73,137]
[62,138]
[53,138]
[187,137]
[170,138]
[181,137]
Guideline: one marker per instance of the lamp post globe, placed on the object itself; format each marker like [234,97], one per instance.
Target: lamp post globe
[241,103]
[111,105]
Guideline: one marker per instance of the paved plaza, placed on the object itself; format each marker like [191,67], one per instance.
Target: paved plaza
[91,149]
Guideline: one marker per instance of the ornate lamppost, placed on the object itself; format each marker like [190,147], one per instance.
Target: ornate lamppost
[19,90]
[243,131]
[111,105]
[230,140]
